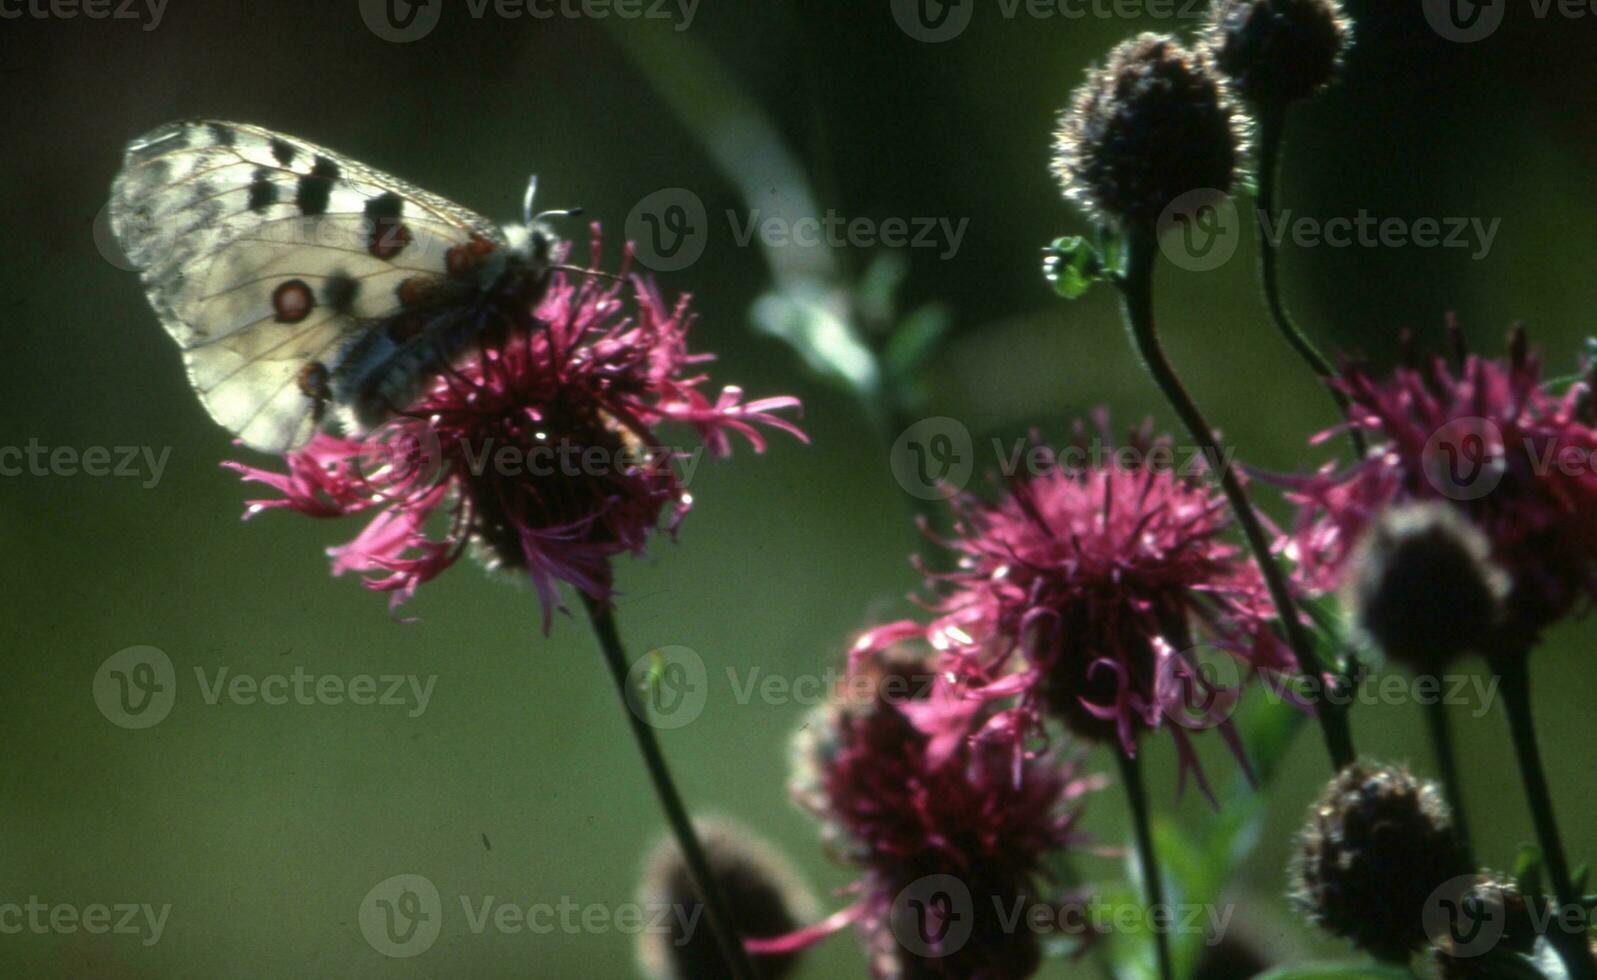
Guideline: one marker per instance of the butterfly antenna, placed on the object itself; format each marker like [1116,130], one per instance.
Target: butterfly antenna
[530,219]
[526,200]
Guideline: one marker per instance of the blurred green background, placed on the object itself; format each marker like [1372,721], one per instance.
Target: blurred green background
[265,826]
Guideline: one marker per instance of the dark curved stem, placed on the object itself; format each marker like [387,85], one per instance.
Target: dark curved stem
[1272,125]
[1136,293]
[1447,765]
[1152,875]
[1514,670]
[716,915]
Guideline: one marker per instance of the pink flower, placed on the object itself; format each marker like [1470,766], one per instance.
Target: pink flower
[540,449]
[950,849]
[1103,595]
[1484,436]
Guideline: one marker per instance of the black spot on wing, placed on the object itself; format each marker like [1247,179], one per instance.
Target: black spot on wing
[282,152]
[222,134]
[316,187]
[386,234]
[263,193]
[340,291]
[385,205]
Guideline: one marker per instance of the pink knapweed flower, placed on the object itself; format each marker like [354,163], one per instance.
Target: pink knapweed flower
[1105,595]
[540,448]
[950,849]
[1486,436]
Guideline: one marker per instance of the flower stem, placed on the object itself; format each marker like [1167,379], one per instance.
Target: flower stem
[1514,670]
[717,918]
[1272,126]
[1136,293]
[1447,764]
[1152,877]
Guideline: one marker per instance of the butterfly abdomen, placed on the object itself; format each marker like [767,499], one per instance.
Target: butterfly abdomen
[385,368]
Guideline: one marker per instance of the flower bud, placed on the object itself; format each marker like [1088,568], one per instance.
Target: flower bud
[1150,126]
[1276,52]
[1424,587]
[764,894]
[1376,846]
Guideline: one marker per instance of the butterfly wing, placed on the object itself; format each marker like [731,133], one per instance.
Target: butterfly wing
[265,256]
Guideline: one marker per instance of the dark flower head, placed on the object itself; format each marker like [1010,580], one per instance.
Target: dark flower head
[911,820]
[540,449]
[1153,124]
[1106,596]
[1276,52]
[765,895]
[1424,587]
[1487,438]
[1376,846]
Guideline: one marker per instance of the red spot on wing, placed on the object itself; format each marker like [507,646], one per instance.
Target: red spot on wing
[462,260]
[292,301]
[413,291]
[388,239]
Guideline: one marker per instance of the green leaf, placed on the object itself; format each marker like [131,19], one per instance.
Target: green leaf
[1528,869]
[814,321]
[915,341]
[1072,265]
[1336,971]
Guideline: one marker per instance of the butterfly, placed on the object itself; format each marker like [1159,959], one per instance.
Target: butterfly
[296,280]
